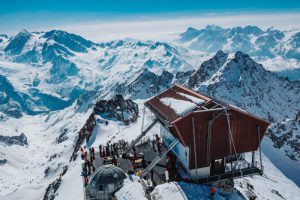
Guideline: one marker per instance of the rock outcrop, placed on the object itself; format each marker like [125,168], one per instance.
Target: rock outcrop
[118,108]
[14,140]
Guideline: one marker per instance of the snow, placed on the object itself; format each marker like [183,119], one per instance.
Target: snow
[132,190]
[72,182]
[266,186]
[183,191]
[116,131]
[24,171]
[180,107]
[196,100]
[269,186]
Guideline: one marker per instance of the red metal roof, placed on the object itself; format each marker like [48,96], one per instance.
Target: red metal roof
[166,112]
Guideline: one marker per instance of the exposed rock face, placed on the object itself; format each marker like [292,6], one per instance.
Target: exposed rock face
[17,44]
[207,69]
[182,77]
[53,187]
[148,84]
[298,117]
[14,140]
[240,81]
[286,135]
[61,69]
[10,101]
[14,103]
[118,108]
[3,161]
[73,42]
[62,136]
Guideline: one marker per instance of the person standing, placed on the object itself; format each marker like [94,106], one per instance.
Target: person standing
[157,139]
[92,154]
[107,150]
[85,176]
[212,192]
[100,151]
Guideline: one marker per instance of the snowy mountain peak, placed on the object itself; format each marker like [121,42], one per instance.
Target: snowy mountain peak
[207,69]
[23,32]
[213,27]
[247,30]
[16,45]
[241,81]
[74,42]
[246,62]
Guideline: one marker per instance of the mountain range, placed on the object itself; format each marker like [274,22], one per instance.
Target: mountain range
[50,82]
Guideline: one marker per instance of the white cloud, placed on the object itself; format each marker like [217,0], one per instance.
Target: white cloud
[165,29]
[161,28]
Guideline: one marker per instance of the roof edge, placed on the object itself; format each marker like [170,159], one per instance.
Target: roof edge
[193,92]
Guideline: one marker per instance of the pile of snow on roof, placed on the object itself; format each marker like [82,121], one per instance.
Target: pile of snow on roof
[132,190]
[180,107]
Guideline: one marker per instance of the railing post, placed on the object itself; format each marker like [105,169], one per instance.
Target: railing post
[253,158]
[258,130]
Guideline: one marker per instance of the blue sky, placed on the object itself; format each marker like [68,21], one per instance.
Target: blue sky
[35,14]
[143,6]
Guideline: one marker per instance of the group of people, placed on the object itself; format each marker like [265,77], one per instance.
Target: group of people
[111,151]
[87,157]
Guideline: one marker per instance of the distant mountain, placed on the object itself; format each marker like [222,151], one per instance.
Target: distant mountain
[64,65]
[251,39]
[15,103]
[11,102]
[286,136]
[148,84]
[16,44]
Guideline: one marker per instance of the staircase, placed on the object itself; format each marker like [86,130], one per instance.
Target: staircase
[159,157]
[139,137]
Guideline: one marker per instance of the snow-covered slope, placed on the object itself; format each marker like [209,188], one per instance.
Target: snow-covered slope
[63,65]
[30,168]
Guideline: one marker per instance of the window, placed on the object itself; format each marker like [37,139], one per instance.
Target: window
[101,187]
[111,187]
[93,184]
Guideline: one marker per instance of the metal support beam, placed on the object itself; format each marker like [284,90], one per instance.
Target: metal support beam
[195,146]
[208,142]
[253,158]
[159,157]
[140,137]
[208,110]
[261,166]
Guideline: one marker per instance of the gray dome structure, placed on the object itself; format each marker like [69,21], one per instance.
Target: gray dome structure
[105,181]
